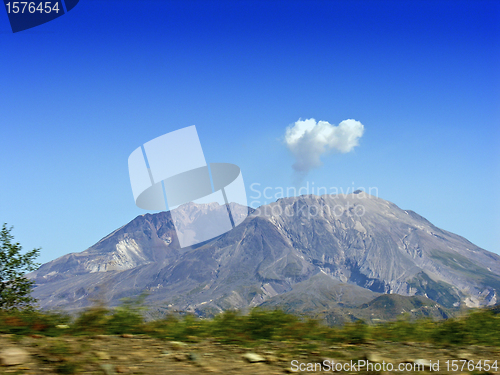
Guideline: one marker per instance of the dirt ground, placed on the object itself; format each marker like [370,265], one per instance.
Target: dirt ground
[136,354]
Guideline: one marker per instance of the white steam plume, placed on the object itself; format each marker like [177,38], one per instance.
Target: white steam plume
[308,140]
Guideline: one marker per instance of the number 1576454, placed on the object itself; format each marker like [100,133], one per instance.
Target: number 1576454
[32,7]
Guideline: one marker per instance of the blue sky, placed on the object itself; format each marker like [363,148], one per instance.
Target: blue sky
[80,93]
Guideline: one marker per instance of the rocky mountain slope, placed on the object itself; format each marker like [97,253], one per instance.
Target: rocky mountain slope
[316,252]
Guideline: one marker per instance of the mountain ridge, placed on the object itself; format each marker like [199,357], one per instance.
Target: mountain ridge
[355,239]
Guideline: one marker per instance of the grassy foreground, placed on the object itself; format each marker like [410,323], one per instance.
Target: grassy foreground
[479,327]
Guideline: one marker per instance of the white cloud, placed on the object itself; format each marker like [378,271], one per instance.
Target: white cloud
[308,140]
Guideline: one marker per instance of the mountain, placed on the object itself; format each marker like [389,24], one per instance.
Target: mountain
[307,254]
[337,303]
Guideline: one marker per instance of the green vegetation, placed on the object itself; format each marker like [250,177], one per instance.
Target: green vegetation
[479,327]
[15,289]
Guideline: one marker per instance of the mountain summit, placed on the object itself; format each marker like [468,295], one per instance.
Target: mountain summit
[342,249]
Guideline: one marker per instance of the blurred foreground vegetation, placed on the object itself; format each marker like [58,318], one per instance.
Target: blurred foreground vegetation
[478,327]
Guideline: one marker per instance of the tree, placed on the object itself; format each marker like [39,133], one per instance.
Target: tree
[15,288]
